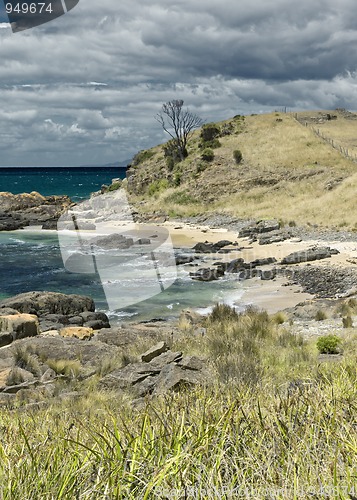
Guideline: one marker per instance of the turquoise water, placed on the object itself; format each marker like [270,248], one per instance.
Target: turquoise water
[77,183]
[31,260]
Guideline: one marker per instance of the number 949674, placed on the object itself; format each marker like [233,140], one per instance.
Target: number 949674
[28,8]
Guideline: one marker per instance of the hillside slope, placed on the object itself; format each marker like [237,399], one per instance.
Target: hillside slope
[297,167]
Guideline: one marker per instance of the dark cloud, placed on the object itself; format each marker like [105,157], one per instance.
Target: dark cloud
[86,87]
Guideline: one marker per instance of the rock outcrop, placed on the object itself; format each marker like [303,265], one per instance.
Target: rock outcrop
[16,326]
[211,247]
[20,210]
[54,311]
[309,255]
[163,370]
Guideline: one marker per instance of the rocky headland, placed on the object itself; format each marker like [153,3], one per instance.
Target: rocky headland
[20,210]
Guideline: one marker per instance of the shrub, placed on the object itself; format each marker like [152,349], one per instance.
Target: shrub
[66,367]
[157,186]
[200,167]
[209,132]
[329,344]
[172,150]
[347,322]
[227,129]
[237,155]
[170,163]
[115,186]
[214,143]
[207,154]
[279,318]
[177,179]
[142,156]
[320,315]
[180,198]
[25,359]
[223,312]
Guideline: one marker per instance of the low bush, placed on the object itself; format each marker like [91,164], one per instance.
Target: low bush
[177,179]
[115,186]
[214,144]
[201,166]
[237,155]
[207,155]
[170,163]
[329,344]
[180,198]
[209,132]
[347,322]
[142,156]
[172,150]
[157,187]
[320,315]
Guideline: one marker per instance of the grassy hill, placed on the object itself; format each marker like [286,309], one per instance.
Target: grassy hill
[299,168]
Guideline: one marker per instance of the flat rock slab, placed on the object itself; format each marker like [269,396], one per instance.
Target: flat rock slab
[309,255]
[156,350]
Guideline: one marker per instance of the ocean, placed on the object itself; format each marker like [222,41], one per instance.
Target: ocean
[31,259]
[76,182]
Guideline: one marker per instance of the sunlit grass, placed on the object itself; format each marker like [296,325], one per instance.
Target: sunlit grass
[272,423]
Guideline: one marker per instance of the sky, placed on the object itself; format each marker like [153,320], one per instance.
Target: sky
[85,87]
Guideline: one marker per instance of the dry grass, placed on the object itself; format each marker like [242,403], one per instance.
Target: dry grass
[282,425]
[287,173]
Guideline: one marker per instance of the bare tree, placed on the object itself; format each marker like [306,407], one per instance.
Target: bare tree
[178,123]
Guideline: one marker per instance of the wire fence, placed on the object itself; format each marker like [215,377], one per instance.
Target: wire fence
[332,142]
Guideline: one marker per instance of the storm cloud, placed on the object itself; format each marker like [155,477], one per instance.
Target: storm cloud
[85,88]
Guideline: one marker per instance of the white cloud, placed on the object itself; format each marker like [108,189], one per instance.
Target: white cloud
[87,86]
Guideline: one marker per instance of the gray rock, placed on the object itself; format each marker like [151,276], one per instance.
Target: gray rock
[96,324]
[8,311]
[184,259]
[309,255]
[235,266]
[41,303]
[20,210]
[274,237]
[191,363]
[159,362]
[76,320]
[173,377]
[207,274]
[6,339]
[263,226]
[207,247]
[19,325]
[143,241]
[114,241]
[154,351]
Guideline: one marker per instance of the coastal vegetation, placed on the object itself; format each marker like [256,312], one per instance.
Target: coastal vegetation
[303,162]
[273,421]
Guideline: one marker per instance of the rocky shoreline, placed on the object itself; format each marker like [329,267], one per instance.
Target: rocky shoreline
[20,210]
[53,327]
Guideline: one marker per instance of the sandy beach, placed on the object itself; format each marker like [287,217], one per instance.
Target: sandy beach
[271,295]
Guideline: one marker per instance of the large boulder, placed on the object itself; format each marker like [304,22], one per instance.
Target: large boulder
[17,326]
[41,303]
[20,210]
[309,255]
[259,227]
